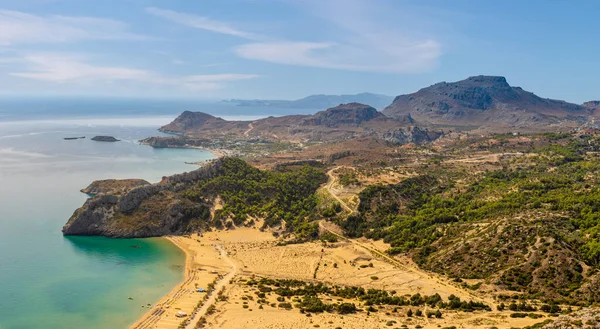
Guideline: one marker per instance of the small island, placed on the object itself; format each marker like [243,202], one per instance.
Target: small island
[73,138]
[105,139]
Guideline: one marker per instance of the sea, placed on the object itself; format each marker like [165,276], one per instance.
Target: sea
[51,281]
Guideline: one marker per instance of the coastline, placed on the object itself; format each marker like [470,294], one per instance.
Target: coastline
[148,316]
[217,152]
[184,296]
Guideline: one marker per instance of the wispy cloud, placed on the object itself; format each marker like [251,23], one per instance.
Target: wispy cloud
[365,41]
[201,22]
[19,28]
[60,68]
[363,35]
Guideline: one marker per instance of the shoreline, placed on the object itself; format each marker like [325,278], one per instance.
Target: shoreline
[147,317]
[204,263]
[218,153]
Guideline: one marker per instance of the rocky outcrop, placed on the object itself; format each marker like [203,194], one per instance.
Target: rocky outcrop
[485,101]
[113,186]
[104,139]
[352,114]
[588,316]
[142,211]
[414,135]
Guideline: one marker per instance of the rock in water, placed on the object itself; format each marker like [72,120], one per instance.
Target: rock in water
[105,139]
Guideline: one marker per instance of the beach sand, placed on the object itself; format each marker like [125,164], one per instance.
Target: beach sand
[203,265]
[243,253]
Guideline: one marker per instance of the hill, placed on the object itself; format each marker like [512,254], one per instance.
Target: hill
[319,101]
[487,102]
[338,123]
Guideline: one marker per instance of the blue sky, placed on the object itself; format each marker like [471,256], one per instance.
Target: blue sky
[287,49]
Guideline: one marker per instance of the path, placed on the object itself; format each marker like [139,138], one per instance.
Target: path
[213,296]
[330,189]
[378,253]
[250,127]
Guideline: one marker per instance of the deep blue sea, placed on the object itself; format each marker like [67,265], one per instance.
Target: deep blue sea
[51,281]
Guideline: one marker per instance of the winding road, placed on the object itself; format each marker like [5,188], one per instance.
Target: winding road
[330,189]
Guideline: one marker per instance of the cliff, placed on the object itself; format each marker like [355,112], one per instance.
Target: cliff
[182,203]
[140,210]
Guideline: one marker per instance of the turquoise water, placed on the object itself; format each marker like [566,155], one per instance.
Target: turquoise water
[51,281]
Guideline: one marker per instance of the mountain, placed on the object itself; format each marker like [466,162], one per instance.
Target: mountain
[345,114]
[593,105]
[487,102]
[320,101]
[338,123]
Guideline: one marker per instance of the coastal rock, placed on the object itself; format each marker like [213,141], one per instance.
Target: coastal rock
[143,211]
[104,139]
[113,186]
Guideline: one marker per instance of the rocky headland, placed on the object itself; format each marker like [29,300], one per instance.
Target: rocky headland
[113,186]
[133,208]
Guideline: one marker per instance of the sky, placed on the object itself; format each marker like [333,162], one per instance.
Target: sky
[288,49]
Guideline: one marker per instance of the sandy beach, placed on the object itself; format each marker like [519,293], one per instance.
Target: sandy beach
[204,264]
[244,253]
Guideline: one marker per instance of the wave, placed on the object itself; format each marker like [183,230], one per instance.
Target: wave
[11,151]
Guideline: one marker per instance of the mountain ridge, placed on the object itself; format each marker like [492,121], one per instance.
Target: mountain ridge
[486,101]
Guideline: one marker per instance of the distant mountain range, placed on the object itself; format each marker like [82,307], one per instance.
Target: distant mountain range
[482,103]
[319,101]
[488,102]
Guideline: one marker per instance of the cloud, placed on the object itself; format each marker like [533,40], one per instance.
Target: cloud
[399,57]
[60,68]
[200,22]
[19,28]
[366,39]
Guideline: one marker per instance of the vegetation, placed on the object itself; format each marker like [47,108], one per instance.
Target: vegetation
[548,203]
[276,196]
[311,302]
